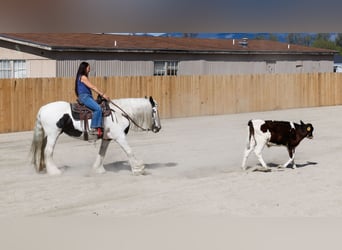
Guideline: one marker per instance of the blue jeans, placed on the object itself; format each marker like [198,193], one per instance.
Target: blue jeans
[89,102]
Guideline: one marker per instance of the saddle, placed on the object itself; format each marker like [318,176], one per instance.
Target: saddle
[82,113]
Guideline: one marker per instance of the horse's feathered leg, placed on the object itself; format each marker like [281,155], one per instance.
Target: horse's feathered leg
[98,164]
[51,168]
[136,166]
[38,146]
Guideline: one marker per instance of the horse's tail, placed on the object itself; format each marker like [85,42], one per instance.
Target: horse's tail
[38,145]
[250,133]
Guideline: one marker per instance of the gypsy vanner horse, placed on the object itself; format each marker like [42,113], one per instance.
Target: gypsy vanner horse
[56,118]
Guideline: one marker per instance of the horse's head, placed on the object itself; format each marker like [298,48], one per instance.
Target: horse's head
[156,126]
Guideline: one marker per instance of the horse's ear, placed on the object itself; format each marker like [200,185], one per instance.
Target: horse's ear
[152,101]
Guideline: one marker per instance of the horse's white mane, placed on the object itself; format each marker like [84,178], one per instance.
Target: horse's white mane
[139,109]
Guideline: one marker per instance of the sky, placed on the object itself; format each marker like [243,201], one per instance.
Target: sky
[161,16]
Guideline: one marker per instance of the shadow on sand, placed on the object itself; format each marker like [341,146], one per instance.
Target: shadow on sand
[276,167]
[124,166]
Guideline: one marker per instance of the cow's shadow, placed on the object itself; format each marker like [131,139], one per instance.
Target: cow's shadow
[124,166]
[308,163]
[277,167]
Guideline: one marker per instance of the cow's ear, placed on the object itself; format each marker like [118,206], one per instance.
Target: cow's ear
[301,122]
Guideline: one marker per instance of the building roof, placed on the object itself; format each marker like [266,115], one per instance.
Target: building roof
[150,44]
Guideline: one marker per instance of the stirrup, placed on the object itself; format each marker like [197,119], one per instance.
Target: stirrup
[96,131]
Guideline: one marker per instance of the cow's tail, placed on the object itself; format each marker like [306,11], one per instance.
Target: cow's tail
[38,146]
[250,133]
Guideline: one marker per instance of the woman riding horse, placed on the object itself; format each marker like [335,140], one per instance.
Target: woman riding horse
[83,89]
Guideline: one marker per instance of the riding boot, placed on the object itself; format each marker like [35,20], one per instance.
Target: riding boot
[99,133]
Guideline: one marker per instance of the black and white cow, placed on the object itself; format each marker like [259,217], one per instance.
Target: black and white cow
[272,133]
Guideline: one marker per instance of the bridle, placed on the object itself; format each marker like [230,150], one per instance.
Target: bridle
[124,113]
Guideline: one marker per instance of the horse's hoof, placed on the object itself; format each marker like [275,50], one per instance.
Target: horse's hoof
[54,172]
[100,171]
[138,172]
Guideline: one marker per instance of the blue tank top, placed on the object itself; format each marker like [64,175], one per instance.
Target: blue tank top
[82,88]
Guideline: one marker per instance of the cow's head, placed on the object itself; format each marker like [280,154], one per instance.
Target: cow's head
[307,129]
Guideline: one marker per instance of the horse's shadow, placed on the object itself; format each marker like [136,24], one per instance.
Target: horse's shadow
[124,166]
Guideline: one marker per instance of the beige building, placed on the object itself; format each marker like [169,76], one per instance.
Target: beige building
[17,64]
[58,55]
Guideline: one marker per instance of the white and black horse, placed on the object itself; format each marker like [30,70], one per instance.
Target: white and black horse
[56,118]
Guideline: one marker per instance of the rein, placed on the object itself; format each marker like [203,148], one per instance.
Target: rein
[128,117]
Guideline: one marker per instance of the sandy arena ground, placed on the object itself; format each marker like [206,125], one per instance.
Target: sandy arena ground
[193,167]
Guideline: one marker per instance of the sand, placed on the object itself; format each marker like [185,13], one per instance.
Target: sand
[193,171]
[193,167]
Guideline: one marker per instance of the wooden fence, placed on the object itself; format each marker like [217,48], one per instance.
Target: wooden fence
[177,96]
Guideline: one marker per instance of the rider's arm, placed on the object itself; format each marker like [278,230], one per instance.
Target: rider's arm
[86,81]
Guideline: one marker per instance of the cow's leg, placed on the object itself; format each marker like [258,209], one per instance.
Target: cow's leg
[249,147]
[98,164]
[292,155]
[257,150]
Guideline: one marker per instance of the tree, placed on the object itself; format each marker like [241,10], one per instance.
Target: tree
[260,37]
[292,38]
[191,35]
[300,39]
[325,44]
[273,37]
[323,36]
[338,40]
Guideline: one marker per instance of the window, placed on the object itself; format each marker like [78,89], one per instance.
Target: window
[13,69]
[165,68]
[5,69]
[270,66]
[19,69]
